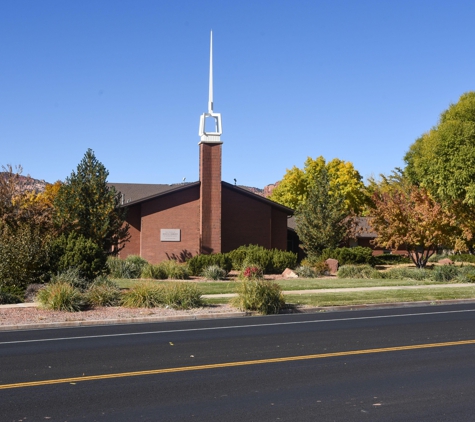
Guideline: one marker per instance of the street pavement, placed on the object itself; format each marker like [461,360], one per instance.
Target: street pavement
[411,364]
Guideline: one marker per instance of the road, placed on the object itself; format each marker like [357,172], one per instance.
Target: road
[414,364]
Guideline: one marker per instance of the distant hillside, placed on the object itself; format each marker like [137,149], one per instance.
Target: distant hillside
[27,183]
[265,192]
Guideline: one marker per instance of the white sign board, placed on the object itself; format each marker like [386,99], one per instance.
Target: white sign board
[170,235]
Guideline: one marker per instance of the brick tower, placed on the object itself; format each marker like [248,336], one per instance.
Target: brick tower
[210,173]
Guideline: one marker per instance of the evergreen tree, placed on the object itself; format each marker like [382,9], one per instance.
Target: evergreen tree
[87,206]
[323,220]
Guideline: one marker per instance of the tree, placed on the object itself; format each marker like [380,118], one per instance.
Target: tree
[86,205]
[411,219]
[443,162]
[323,220]
[344,180]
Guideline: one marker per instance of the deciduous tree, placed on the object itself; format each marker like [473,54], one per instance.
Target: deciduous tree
[413,220]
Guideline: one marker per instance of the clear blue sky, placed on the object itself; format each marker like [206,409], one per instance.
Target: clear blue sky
[359,80]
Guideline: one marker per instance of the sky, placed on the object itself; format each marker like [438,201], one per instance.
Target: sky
[358,80]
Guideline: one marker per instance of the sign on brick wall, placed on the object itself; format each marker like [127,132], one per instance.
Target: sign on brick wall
[170,235]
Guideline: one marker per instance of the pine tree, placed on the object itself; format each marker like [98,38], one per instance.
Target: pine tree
[323,220]
[86,205]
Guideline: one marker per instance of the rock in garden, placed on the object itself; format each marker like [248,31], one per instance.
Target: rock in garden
[332,265]
[446,261]
[288,273]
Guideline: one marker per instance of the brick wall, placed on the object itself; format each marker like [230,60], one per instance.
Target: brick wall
[210,194]
[133,218]
[178,210]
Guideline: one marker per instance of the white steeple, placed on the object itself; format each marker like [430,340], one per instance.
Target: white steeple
[215,136]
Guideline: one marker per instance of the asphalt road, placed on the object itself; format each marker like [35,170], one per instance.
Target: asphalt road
[414,364]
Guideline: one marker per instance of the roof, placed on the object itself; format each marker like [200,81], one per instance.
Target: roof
[258,197]
[134,193]
[138,192]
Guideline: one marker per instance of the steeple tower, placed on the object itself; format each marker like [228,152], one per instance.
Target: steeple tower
[210,173]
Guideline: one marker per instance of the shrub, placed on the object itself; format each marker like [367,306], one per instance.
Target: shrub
[272,261]
[130,267]
[61,296]
[437,257]
[214,272]
[466,274]
[73,277]
[198,263]
[23,257]
[155,272]
[349,256]
[10,295]
[465,257]
[145,294]
[174,270]
[306,271]
[445,273]
[261,296]
[358,271]
[182,296]
[402,273]
[251,271]
[387,259]
[76,251]
[103,292]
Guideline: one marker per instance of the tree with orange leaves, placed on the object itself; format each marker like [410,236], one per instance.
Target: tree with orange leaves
[412,219]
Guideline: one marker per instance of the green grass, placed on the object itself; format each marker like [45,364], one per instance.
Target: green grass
[219,287]
[359,298]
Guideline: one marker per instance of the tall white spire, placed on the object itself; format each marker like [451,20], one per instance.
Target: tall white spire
[210,100]
[214,136]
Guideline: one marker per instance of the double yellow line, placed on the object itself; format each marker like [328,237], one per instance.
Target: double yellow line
[233,364]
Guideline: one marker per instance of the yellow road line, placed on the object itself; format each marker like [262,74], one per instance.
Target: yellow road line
[233,364]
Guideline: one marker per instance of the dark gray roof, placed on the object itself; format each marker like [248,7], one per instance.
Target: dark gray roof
[136,192]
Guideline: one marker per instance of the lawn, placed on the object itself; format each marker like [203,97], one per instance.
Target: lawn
[219,287]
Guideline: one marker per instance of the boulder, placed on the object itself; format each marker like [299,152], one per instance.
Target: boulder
[288,273]
[332,265]
[446,261]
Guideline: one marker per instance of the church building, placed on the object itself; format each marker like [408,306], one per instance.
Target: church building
[207,216]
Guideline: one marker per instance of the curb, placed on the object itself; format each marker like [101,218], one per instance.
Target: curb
[144,320]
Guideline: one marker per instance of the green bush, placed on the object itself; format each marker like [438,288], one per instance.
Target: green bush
[358,271]
[387,259]
[23,257]
[465,257]
[349,256]
[173,270]
[466,274]
[402,273]
[130,267]
[306,271]
[272,261]
[437,257]
[182,296]
[214,272]
[73,277]
[10,295]
[444,273]
[198,263]
[62,296]
[145,294]
[262,296]
[76,251]
[103,292]
[154,272]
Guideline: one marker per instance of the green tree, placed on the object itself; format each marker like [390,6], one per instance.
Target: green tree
[443,162]
[323,220]
[294,188]
[87,206]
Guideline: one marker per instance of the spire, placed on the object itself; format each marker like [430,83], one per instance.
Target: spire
[210,101]
[214,136]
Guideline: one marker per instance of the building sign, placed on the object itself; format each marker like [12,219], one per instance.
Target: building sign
[170,235]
